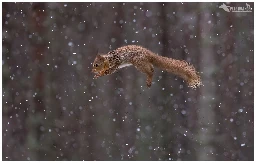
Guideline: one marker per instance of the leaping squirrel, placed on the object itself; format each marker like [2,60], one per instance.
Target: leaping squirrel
[144,60]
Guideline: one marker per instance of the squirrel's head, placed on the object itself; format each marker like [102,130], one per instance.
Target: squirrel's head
[100,63]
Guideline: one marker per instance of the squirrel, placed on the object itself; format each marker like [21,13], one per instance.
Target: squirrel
[144,60]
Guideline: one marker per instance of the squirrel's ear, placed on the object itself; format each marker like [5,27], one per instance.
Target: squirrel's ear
[99,56]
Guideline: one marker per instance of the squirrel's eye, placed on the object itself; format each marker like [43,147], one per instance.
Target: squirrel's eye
[96,65]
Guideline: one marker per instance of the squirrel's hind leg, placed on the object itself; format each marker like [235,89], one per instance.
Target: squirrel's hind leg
[148,69]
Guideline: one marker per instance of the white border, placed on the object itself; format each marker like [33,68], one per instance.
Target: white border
[115,1]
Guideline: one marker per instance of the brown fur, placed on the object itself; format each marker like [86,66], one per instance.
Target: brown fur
[144,60]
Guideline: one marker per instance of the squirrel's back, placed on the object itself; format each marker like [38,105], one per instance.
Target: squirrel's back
[133,49]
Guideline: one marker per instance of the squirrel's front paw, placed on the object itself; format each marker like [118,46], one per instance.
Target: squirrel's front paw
[96,76]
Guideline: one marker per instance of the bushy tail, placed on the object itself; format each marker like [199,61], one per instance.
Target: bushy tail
[178,67]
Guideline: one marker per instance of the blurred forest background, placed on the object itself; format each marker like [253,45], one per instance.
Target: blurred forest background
[54,110]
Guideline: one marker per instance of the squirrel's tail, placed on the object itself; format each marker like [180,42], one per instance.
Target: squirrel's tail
[178,67]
